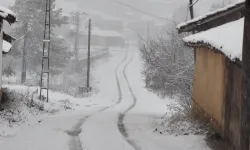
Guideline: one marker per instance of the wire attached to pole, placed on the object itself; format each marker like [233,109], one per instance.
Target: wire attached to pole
[142,11]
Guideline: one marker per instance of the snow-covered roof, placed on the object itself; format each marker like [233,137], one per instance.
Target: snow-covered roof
[105,33]
[6,47]
[227,38]
[8,15]
[236,6]
[7,40]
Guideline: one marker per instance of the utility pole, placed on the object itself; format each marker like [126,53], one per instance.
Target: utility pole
[191,9]
[76,18]
[245,105]
[24,59]
[76,22]
[46,51]
[88,67]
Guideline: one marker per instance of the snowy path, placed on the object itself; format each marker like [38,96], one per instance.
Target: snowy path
[75,143]
[121,124]
[121,117]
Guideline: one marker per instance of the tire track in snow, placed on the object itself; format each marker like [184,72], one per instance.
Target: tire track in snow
[120,124]
[75,142]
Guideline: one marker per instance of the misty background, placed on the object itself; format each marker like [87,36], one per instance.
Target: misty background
[115,24]
[123,19]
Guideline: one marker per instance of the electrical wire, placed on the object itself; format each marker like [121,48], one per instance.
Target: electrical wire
[144,12]
[36,20]
[22,36]
[42,27]
[169,1]
[190,5]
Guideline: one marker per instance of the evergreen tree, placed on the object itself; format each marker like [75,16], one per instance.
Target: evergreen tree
[32,12]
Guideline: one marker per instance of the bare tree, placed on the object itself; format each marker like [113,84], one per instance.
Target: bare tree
[169,66]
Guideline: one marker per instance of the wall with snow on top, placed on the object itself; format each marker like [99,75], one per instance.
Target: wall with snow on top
[227,38]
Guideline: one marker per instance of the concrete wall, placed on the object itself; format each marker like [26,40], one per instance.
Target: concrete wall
[209,86]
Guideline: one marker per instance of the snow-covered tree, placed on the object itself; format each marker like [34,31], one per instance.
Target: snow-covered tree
[169,66]
[32,12]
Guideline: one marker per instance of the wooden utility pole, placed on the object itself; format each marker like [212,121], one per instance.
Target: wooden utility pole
[88,67]
[24,59]
[76,18]
[245,105]
[191,9]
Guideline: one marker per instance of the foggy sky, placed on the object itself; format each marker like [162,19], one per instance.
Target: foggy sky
[163,8]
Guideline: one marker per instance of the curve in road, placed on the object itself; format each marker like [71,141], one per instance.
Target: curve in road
[120,124]
[75,143]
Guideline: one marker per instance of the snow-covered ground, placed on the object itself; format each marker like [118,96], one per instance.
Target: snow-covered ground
[122,116]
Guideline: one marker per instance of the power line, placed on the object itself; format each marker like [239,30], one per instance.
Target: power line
[190,5]
[144,12]
[188,8]
[169,1]
[31,26]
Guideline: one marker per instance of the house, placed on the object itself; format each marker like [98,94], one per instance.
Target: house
[5,39]
[104,38]
[217,86]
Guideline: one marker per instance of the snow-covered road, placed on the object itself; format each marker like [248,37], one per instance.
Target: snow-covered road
[121,116]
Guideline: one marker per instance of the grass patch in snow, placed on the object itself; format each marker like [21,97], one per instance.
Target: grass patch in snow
[182,124]
[21,106]
[178,121]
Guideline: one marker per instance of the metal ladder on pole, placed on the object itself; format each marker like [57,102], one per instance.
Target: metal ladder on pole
[44,81]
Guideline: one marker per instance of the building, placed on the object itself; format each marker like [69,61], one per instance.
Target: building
[104,38]
[217,86]
[5,39]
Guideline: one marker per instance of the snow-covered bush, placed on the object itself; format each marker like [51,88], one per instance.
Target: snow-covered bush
[181,124]
[169,66]
[21,106]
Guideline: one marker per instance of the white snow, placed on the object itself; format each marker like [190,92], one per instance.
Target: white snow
[25,116]
[97,116]
[4,12]
[208,14]
[148,111]
[227,38]
[6,46]
[139,122]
